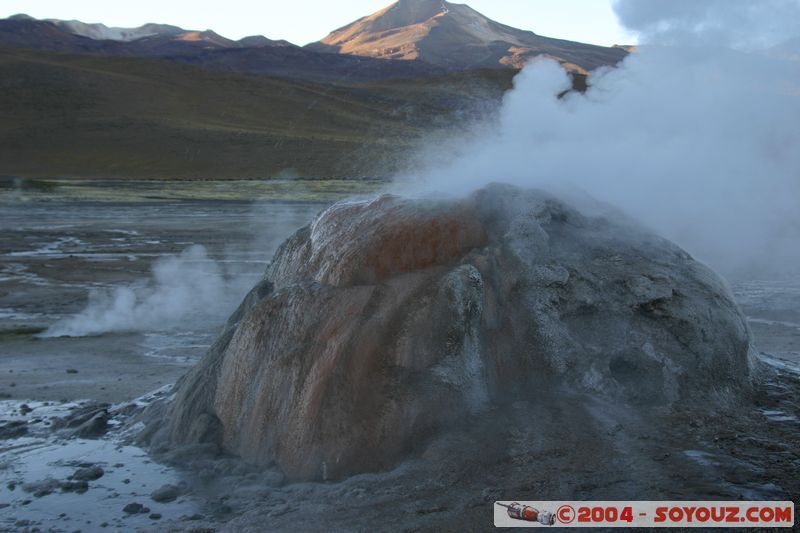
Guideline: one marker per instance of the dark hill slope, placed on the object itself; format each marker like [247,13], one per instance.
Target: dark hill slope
[118,117]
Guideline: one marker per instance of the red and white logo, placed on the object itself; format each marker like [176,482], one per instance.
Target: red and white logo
[759,514]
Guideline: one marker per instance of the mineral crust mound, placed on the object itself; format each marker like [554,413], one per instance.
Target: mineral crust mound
[390,320]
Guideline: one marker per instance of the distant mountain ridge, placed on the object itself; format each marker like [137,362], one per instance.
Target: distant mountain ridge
[253,55]
[151,31]
[409,38]
[101,31]
[456,36]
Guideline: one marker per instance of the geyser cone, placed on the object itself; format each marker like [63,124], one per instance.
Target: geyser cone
[386,321]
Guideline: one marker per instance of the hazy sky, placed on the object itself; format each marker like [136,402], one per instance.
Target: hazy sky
[591,21]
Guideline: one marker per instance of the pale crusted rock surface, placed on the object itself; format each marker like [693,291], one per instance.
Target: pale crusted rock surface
[387,322]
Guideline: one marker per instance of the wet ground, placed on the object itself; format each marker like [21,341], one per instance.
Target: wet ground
[108,254]
[62,242]
[773,310]
[42,485]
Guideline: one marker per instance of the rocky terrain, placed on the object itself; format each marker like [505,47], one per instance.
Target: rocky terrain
[387,322]
[432,356]
[507,345]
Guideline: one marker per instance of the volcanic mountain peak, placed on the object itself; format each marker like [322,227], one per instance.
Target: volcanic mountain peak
[408,18]
[406,13]
[455,36]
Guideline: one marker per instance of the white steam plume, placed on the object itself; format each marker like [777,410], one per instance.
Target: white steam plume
[700,142]
[187,287]
[741,24]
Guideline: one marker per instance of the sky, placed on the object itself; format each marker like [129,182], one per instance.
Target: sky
[301,22]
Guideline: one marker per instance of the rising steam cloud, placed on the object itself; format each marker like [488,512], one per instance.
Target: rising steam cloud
[740,24]
[696,134]
[187,287]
